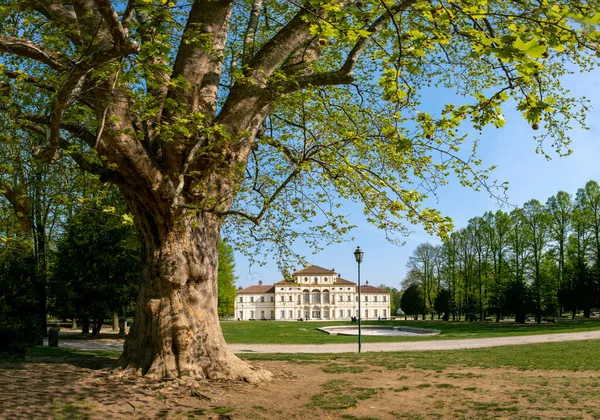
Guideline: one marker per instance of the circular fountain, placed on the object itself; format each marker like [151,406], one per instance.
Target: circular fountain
[376,330]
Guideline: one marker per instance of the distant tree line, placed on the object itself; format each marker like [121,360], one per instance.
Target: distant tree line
[539,259]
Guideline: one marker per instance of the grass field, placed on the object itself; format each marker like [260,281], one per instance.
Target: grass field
[568,356]
[582,356]
[281,332]
[539,381]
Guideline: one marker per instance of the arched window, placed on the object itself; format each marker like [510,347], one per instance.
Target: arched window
[326,313]
[316,313]
[325,296]
[306,295]
[316,297]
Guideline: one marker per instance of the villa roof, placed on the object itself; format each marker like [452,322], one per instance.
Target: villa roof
[286,282]
[340,280]
[251,290]
[371,289]
[314,269]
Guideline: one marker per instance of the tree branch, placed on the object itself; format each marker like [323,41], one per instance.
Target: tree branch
[110,16]
[12,74]
[28,49]
[20,203]
[251,31]
[56,11]
[65,93]
[199,56]
[278,48]
[345,74]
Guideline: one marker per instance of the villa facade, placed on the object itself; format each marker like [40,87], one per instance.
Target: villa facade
[314,293]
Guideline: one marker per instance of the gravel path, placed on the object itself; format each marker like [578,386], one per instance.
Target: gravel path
[117,345]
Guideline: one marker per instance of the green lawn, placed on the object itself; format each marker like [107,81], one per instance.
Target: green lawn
[281,332]
[570,356]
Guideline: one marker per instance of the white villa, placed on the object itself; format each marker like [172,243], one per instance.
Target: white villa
[314,293]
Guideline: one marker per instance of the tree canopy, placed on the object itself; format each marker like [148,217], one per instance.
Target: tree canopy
[260,115]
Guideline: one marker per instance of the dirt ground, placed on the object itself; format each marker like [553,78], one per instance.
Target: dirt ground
[80,389]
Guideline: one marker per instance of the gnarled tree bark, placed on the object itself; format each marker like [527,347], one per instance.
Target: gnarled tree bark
[176,331]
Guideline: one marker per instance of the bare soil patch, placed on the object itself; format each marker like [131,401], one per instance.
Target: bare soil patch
[79,389]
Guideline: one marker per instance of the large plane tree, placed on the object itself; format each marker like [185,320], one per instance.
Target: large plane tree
[262,115]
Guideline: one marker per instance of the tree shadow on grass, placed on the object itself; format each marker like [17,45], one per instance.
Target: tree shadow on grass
[47,383]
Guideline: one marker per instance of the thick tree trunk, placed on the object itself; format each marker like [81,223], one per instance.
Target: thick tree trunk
[85,325]
[176,331]
[97,326]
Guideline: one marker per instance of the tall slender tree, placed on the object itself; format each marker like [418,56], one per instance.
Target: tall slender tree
[536,224]
[560,208]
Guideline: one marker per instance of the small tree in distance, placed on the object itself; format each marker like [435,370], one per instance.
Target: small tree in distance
[412,301]
[226,279]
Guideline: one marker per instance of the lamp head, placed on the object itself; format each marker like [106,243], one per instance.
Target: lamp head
[358,254]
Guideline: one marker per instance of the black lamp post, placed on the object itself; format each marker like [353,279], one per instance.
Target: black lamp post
[358,255]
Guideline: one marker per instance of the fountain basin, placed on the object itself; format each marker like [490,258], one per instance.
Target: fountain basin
[376,330]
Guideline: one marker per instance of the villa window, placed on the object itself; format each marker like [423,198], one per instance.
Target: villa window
[316,313]
[366,298]
[262,314]
[241,315]
[306,295]
[316,296]
[349,313]
[326,313]
[291,298]
[375,310]
[291,314]
[272,298]
[262,298]
[299,300]
[241,299]
[325,279]
[282,314]
[316,280]
[282,298]
[251,314]
[341,313]
[374,298]
[385,298]
[326,296]
[251,299]
[305,279]
[385,313]
[349,298]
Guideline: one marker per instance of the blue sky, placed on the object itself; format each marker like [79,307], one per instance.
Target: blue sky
[511,149]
